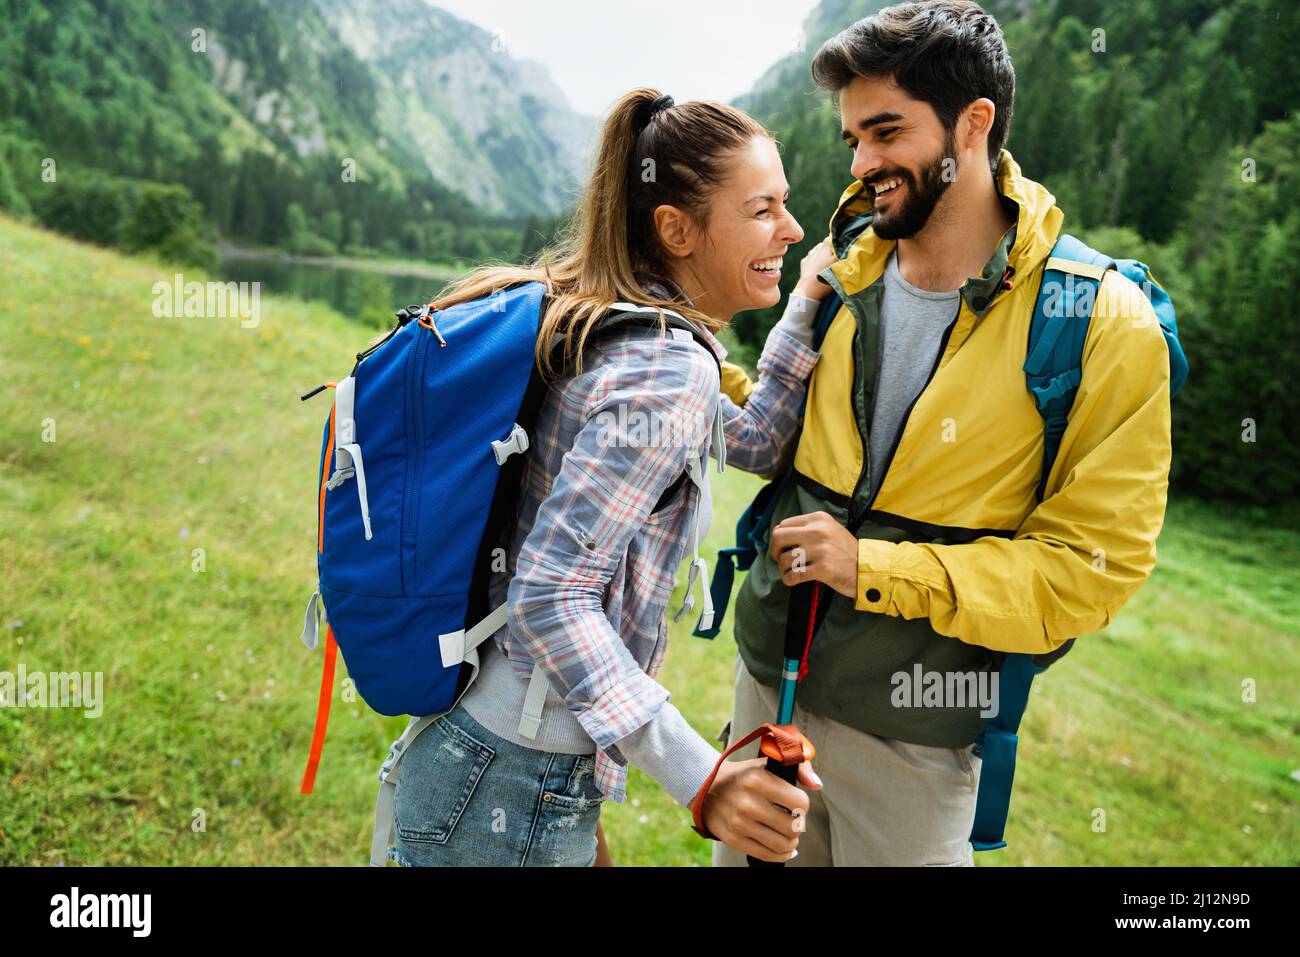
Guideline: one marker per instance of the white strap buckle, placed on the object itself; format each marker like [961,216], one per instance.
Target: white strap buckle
[339,477]
[394,754]
[515,444]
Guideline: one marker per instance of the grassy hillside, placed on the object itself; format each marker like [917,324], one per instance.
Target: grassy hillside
[177,434]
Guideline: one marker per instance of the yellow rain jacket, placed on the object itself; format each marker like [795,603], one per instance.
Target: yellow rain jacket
[957,558]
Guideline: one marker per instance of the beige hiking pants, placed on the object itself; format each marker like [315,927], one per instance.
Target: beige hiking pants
[885,803]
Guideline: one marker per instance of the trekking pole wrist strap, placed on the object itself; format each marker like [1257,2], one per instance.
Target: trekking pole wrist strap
[784,742]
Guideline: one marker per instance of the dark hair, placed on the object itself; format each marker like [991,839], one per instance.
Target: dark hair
[947,53]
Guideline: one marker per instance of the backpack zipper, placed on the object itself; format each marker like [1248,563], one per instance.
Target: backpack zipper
[414,456]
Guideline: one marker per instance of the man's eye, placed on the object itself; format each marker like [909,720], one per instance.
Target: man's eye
[888,132]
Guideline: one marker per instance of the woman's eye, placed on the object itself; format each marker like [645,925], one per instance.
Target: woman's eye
[762,212]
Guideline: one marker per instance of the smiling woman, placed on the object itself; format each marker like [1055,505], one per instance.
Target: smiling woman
[731,260]
[685,212]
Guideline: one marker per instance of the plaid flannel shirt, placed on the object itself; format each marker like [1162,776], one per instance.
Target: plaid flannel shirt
[590,570]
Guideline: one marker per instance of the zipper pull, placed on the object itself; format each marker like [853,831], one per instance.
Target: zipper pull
[317,390]
[426,320]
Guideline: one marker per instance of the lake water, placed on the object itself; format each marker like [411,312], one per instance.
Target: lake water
[340,286]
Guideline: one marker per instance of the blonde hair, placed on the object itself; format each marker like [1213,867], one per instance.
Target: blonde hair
[677,154]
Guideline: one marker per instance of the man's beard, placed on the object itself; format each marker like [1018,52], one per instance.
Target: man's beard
[910,216]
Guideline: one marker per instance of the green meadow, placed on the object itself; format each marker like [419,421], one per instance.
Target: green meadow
[157,524]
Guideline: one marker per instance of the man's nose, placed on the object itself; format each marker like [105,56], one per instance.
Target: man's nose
[866,160]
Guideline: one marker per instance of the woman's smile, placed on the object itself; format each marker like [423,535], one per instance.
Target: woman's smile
[769,270]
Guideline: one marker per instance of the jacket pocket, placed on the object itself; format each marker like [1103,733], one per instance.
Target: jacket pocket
[439,778]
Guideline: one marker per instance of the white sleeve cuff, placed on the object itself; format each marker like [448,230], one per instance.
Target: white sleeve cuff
[797,320]
[672,752]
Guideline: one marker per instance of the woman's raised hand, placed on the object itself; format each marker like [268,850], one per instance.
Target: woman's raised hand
[818,258]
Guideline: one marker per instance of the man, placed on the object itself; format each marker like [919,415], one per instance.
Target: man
[913,503]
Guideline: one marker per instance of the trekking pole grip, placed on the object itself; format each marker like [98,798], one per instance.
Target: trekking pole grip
[799,620]
[788,773]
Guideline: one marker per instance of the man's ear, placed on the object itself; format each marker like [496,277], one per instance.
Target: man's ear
[980,114]
[676,231]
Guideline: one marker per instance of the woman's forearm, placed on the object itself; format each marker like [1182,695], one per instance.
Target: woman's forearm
[758,431]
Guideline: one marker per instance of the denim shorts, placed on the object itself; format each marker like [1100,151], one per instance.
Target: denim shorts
[468,798]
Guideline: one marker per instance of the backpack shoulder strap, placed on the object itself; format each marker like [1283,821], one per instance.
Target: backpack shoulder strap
[826,313]
[1054,358]
[624,314]
[1053,370]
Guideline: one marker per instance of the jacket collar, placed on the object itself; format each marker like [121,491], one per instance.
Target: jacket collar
[862,254]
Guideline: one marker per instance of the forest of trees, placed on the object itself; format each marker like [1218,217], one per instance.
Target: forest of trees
[114,93]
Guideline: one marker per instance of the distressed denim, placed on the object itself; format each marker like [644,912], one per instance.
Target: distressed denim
[468,798]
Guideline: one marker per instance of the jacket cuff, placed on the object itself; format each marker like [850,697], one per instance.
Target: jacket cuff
[672,752]
[875,579]
[893,576]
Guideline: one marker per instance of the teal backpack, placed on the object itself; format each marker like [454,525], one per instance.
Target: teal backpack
[1053,370]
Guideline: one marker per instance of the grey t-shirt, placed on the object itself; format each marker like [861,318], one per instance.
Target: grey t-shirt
[912,323]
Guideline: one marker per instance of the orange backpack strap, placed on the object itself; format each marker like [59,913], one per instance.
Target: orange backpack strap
[322,712]
[782,742]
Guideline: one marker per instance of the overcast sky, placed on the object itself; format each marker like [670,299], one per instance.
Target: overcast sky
[598,49]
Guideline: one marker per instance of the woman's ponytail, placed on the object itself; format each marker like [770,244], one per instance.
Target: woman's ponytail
[651,152]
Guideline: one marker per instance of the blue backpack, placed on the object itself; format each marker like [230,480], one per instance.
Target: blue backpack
[421,467]
[1053,370]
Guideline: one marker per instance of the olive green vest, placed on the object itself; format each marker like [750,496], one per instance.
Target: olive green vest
[855,656]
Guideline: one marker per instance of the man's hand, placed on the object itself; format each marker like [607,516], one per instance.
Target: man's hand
[815,547]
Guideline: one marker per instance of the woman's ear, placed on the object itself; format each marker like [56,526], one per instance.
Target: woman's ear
[676,231]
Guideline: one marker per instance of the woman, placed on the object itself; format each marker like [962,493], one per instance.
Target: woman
[685,210]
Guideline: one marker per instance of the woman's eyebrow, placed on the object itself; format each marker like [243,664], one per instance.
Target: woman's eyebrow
[766,197]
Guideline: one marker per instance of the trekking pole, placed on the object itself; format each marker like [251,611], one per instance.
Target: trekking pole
[800,617]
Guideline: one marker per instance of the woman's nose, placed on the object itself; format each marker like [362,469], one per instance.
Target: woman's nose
[793,231]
